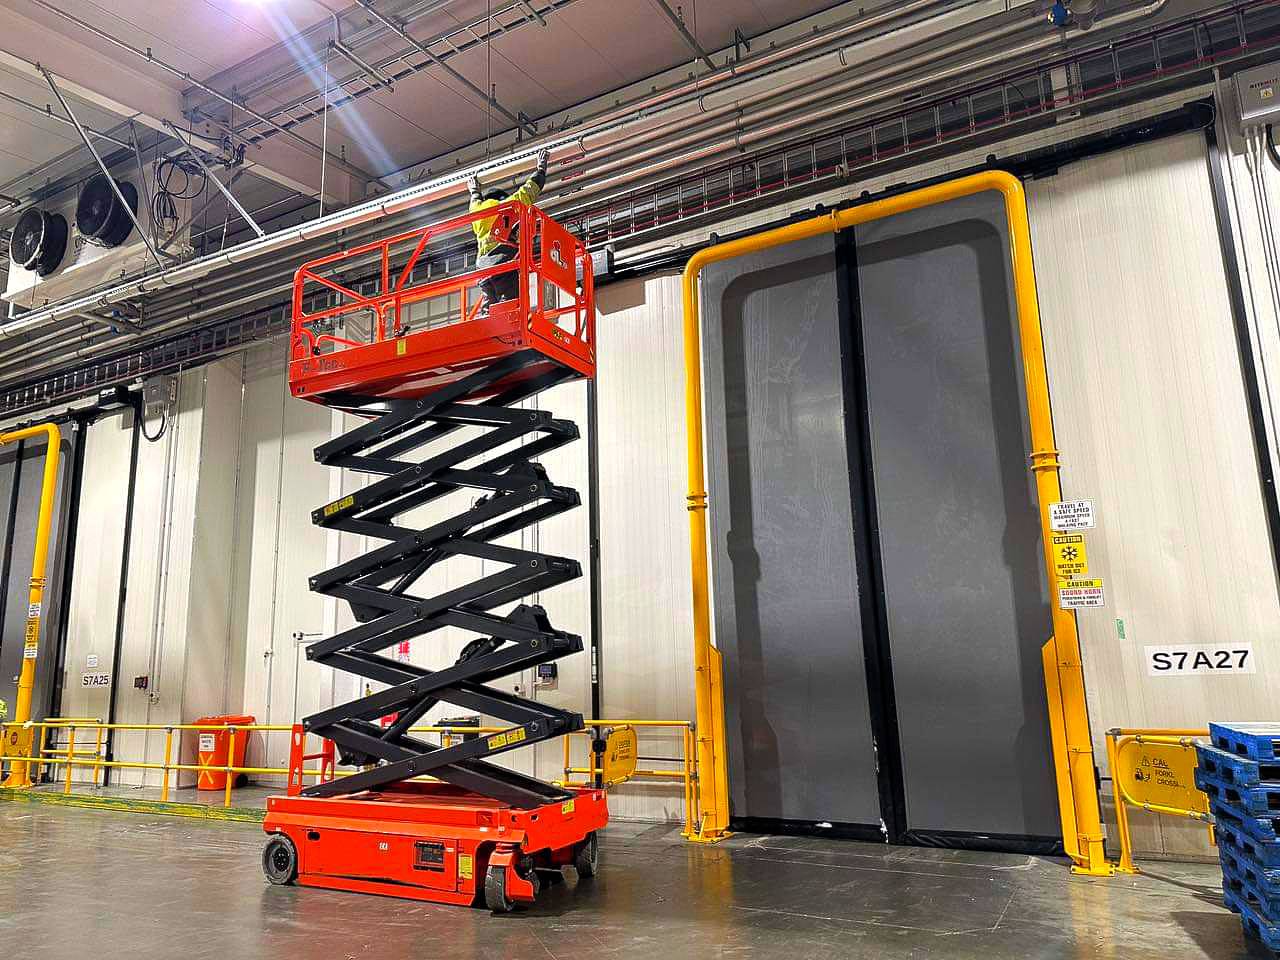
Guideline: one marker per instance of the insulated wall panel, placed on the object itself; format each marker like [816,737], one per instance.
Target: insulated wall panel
[646,620]
[1152,424]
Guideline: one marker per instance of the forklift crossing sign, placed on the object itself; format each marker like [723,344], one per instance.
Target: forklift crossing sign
[1070,559]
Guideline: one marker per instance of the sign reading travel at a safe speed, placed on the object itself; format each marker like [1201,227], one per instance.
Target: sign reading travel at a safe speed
[1069,556]
[1071,515]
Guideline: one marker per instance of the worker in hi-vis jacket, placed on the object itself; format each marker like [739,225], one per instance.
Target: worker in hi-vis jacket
[490,251]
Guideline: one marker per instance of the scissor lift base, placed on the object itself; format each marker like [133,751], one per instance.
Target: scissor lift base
[432,842]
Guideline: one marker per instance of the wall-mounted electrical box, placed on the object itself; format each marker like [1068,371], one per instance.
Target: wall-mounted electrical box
[159,394]
[1258,96]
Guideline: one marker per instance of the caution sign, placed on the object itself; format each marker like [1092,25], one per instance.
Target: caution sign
[508,739]
[1071,515]
[339,505]
[620,754]
[1161,773]
[18,741]
[1069,556]
[1078,593]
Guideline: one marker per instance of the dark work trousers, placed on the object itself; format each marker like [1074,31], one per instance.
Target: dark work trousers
[503,286]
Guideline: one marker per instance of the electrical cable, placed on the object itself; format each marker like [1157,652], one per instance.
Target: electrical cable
[142,424]
[164,211]
[1271,147]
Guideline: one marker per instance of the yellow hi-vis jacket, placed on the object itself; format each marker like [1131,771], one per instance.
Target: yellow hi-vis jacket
[485,243]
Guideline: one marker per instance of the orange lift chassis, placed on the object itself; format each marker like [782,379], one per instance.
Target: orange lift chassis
[385,331]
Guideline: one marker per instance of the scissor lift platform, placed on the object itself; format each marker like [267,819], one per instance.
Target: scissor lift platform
[381,331]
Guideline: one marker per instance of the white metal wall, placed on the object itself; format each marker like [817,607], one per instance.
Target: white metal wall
[176,617]
[646,622]
[1150,413]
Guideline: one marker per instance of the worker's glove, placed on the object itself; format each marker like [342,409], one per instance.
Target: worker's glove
[474,186]
[543,157]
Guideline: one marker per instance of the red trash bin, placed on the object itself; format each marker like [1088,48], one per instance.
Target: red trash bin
[212,749]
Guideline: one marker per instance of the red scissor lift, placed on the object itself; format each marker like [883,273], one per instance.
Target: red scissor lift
[385,330]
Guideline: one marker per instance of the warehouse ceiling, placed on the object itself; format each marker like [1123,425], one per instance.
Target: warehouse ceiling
[405,81]
[658,114]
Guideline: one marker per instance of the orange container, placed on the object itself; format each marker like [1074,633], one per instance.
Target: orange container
[212,749]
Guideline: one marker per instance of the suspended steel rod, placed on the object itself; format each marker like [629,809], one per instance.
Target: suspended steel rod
[111,181]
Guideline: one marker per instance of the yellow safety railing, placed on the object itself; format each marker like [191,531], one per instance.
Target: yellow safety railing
[1176,781]
[46,758]
[687,772]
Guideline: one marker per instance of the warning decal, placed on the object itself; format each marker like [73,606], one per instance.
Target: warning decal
[1071,515]
[508,739]
[1074,594]
[332,508]
[1070,558]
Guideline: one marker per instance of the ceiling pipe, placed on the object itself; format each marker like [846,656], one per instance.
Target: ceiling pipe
[789,97]
[595,130]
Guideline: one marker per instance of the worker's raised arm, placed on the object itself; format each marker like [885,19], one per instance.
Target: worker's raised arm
[473,186]
[532,188]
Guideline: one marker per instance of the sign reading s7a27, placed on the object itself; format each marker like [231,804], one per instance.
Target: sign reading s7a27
[1200,659]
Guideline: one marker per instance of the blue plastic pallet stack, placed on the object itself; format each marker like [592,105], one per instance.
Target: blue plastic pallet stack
[1240,773]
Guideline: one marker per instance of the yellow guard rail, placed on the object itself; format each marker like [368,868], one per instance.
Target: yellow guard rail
[1064,680]
[1171,789]
[18,776]
[70,757]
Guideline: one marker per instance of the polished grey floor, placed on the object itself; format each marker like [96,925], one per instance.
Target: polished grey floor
[90,884]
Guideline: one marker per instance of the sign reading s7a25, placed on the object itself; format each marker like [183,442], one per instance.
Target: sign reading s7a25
[1201,659]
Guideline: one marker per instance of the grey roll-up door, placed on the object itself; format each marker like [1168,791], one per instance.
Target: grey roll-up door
[785,587]
[965,596]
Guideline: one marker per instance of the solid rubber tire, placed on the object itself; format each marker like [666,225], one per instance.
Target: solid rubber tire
[280,860]
[586,859]
[495,891]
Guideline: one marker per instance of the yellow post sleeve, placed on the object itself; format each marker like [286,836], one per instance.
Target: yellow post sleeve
[19,775]
[1078,794]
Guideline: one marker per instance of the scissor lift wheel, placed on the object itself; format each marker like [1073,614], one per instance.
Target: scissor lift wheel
[280,860]
[587,858]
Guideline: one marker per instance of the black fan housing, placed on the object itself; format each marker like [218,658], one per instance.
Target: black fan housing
[39,241]
[99,214]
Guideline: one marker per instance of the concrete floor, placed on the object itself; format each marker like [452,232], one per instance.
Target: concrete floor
[91,884]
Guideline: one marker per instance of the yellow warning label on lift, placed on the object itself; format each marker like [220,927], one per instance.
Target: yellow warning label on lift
[566,808]
[1070,559]
[510,738]
[401,346]
[332,508]
[466,868]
